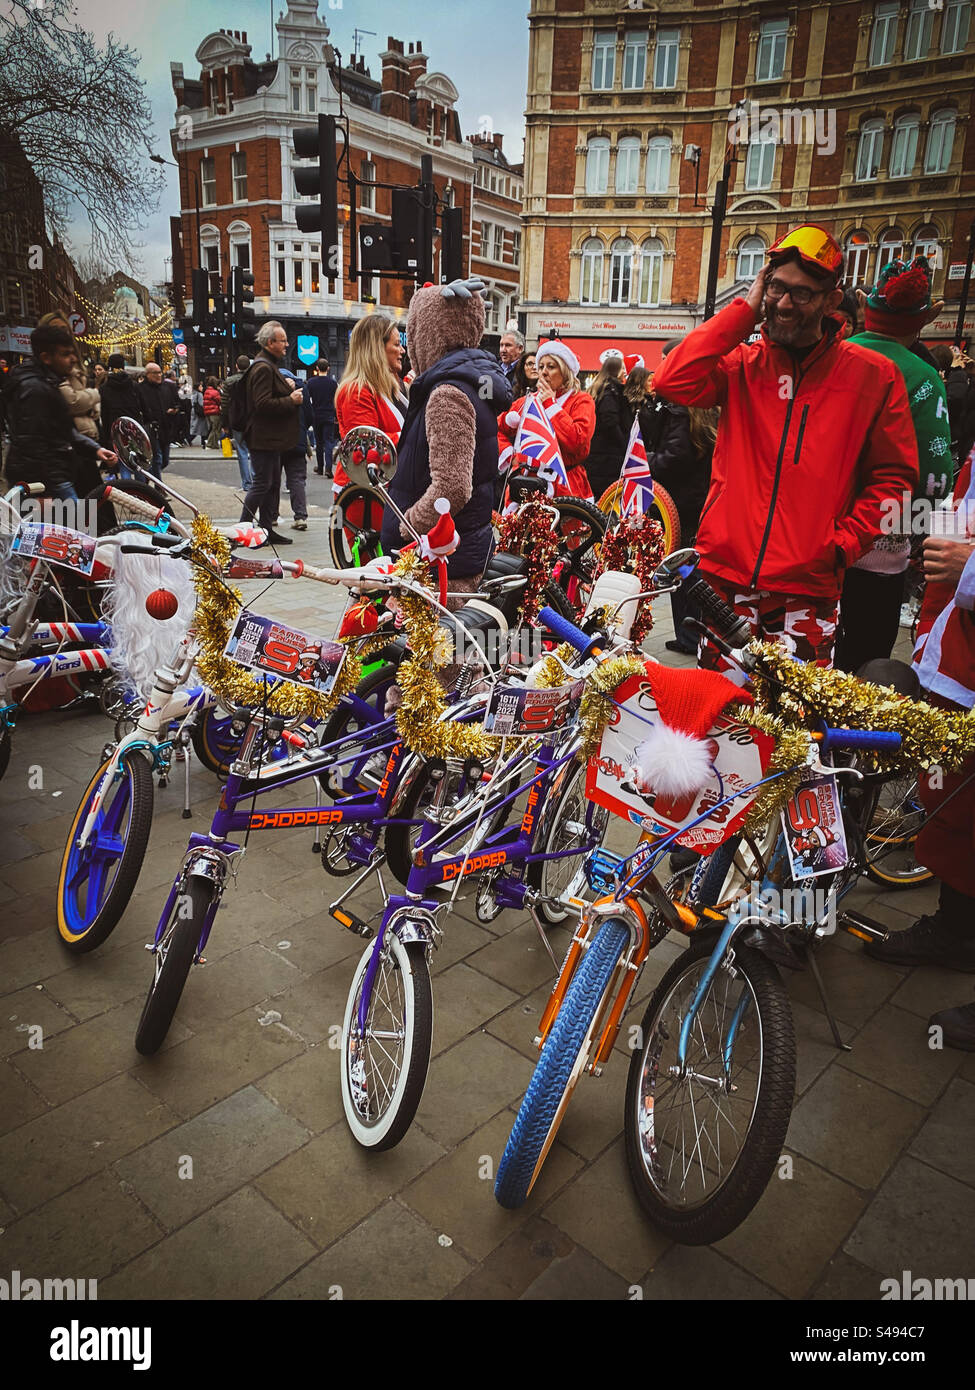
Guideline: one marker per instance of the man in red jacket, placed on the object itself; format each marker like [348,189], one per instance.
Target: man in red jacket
[815,435]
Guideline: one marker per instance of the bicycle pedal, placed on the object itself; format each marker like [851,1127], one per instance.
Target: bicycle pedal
[862,927]
[353,923]
[602,870]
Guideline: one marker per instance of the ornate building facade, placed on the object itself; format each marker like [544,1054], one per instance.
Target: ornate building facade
[856,114]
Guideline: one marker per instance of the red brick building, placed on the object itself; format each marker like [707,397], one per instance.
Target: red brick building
[857,114]
[232,140]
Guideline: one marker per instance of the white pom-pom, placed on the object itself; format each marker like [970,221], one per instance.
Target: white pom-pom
[512,419]
[441,506]
[670,762]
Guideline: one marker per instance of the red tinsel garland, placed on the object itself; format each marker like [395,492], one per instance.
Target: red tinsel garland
[529,532]
[637,547]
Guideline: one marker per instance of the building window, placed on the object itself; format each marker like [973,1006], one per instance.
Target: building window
[316,281]
[954,26]
[238,164]
[620,271]
[869,150]
[282,283]
[516,248]
[917,40]
[891,248]
[628,165]
[311,90]
[240,254]
[367,173]
[884,34]
[751,258]
[211,257]
[296,96]
[485,239]
[497,252]
[603,60]
[903,149]
[651,272]
[658,164]
[857,259]
[298,279]
[770,60]
[941,138]
[760,164]
[665,58]
[634,61]
[208,183]
[597,165]
[591,281]
[926,244]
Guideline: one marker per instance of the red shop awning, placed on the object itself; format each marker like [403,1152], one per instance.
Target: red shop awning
[590,351]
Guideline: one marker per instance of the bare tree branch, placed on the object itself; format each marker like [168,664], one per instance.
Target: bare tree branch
[81,116]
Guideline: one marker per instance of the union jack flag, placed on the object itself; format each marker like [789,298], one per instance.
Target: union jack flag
[536,440]
[635,475]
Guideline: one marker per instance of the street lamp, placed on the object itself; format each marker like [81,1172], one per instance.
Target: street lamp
[158,159]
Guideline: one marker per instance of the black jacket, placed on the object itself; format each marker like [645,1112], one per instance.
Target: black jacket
[45,447]
[119,396]
[686,475]
[153,401]
[320,398]
[614,420]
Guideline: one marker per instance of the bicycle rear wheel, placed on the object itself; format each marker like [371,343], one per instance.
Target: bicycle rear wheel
[563,1059]
[357,521]
[702,1146]
[581,529]
[663,510]
[569,822]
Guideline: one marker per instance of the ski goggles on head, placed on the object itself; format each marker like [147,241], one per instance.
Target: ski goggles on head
[813,244]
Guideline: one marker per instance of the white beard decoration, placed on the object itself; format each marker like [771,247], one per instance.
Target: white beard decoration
[141,643]
[670,762]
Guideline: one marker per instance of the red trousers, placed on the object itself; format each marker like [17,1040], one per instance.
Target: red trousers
[946,844]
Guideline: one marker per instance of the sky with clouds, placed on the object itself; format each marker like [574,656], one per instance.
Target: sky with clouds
[482,48]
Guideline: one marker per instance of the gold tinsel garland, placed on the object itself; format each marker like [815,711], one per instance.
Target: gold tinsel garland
[597,702]
[229,682]
[418,718]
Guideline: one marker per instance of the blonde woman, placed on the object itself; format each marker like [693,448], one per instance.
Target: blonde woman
[572,413]
[371,392]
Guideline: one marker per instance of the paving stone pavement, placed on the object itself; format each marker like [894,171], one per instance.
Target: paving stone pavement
[223,1166]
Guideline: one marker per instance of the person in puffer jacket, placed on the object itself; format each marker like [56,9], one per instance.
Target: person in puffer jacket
[815,436]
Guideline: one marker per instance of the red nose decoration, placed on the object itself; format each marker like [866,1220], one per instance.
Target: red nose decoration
[372,456]
[162,604]
[357,455]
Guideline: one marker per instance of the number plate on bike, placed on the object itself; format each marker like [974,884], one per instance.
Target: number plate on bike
[813,824]
[514,709]
[270,648]
[58,545]
[739,755]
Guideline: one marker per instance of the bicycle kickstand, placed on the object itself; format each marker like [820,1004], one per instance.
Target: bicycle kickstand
[821,986]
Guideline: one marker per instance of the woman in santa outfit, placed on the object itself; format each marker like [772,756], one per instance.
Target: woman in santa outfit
[944,659]
[571,412]
[371,392]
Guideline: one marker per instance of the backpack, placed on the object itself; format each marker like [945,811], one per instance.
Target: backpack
[234,405]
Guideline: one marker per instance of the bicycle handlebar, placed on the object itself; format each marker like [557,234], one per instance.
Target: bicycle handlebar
[585,643]
[864,740]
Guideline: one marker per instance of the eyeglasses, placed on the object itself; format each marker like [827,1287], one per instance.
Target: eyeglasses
[799,294]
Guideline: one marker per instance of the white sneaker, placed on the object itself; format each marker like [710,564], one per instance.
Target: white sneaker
[299,524]
[908,613]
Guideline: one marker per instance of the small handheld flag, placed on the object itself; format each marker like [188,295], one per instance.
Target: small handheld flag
[635,475]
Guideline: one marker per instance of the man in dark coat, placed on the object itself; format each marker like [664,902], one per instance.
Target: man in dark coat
[155,403]
[320,403]
[273,420]
[45,447]
[118,397]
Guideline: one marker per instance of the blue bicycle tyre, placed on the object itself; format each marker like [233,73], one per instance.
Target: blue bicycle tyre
[555,1074]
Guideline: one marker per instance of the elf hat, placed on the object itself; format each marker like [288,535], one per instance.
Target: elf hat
[901,299]
[675,758]
[556,348]
[631,361]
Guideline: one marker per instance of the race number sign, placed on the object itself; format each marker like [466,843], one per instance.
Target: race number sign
[270,648]
[515,709]
[813,825]
[58,545]
[739,755]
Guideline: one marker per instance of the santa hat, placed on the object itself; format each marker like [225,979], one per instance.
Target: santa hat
[901,299]
[442,538]
[631,361]
[312,653]
[675,757]
[556,348]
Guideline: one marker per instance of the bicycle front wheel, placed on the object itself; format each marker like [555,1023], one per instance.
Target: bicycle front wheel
[356,526]
[702,1142]
[574,826]
[173,958]
[96,883]
[384,1068]
[563,1058]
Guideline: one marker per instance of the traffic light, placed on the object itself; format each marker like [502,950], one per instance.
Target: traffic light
[219,315]
[452,244]
[320,180]
[200,284]
[243,319]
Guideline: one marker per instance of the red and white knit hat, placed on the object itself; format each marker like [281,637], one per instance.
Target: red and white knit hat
[631,361]
[676,755]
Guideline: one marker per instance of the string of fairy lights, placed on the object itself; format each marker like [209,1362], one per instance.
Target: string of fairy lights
[108,328]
